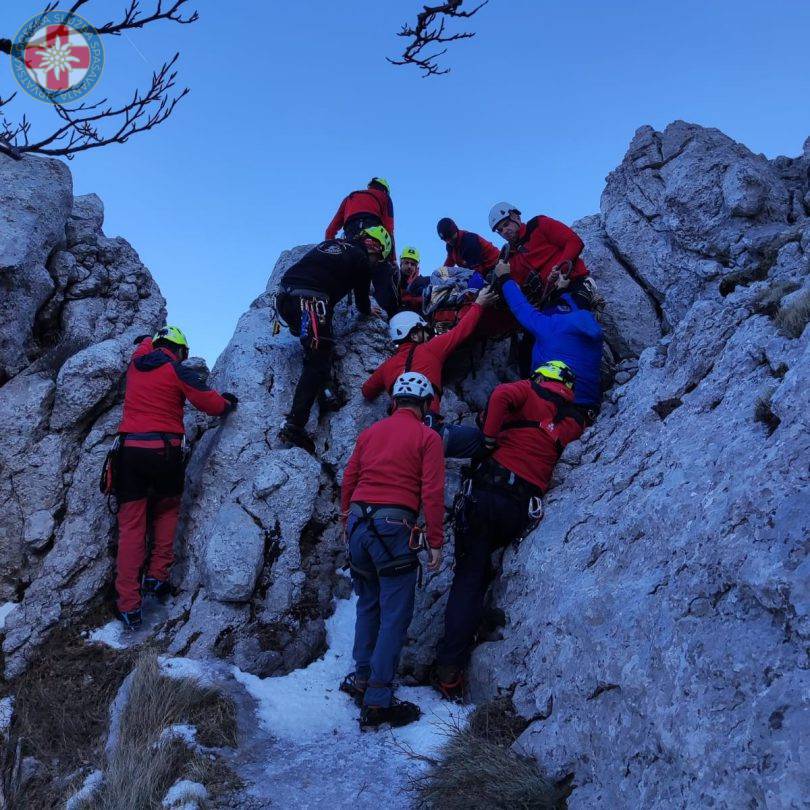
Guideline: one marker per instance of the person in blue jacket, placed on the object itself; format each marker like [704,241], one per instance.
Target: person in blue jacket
[564,330]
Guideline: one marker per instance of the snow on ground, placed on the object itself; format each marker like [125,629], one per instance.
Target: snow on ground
[320,749]
[111,634]
[4,611]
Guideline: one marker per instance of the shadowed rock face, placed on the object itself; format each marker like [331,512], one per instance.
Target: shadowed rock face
[73,300]
[655,621]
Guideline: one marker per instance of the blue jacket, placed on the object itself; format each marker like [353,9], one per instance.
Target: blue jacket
[563,332]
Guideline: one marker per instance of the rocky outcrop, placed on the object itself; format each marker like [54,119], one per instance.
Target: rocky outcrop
[657,619]
[73,301]
[261,533]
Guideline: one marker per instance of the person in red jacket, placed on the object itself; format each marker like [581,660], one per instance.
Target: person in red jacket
[467,249]
[397,465]
[150,462]
[363,209]
[418,351]
[526,427]
[544,254]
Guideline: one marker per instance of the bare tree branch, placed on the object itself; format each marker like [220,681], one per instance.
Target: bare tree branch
[426,32]
[89,126]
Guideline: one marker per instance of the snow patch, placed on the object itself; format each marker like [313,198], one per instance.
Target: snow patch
[180,731]
[91,784]
[5,610]
[199,671]
[185,794]
[306,710]
[111,635]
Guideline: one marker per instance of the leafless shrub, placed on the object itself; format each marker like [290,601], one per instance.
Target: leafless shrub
[430,30]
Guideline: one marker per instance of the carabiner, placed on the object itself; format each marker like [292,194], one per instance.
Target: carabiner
[536,508]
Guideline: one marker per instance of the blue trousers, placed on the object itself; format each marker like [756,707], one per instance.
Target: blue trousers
[384,603]
[461,441]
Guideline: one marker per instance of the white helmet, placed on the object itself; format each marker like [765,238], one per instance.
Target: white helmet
[500,211]
[402,324]
[412,384]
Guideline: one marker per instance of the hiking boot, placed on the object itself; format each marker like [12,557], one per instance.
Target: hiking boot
[354,687]
[155,587]
[328,401]
[292,434]
[131,619]
[399,713]
[448,681]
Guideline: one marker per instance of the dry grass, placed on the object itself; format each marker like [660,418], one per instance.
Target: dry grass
[60,716]
[145,764]
[793,317]
[480,770]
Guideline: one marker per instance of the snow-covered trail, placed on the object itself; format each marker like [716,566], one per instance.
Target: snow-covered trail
[318,756]
[300,745]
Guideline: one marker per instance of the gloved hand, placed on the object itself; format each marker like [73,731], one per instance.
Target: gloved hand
[140,339]
[487,297]
[501,269]
[559,278]
[232,398]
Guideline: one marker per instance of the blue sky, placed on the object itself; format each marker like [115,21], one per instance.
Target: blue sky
[293,105]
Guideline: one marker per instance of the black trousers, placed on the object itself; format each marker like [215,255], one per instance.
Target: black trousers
[316,371]
[491,520]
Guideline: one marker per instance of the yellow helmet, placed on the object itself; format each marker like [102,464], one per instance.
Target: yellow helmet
[380,181]
[410,253]
[172,334]
[557,371]
[379,234]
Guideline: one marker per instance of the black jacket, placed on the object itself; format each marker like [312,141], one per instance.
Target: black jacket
[334,267]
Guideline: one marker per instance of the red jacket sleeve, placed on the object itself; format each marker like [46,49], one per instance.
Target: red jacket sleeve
[562,237]
[351,475]
[444,345]
[144,347]
[337,222]
[506,397]
[433,488]
[198,393]
[375,384]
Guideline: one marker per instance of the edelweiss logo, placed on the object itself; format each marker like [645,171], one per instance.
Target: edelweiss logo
[57,57]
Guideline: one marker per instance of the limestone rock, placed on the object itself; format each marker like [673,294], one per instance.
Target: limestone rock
[68,301]
[657,622]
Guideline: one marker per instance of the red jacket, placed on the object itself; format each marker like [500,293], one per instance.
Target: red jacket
[531,450]
[472,251]
[543,243]
[157,386]
[399,461]
[372,201]
[427,358]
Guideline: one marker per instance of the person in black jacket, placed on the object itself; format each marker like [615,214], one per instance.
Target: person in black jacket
[306,300]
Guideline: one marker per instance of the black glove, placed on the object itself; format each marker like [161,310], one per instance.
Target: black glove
[232,399]
[486,449]
[140,339]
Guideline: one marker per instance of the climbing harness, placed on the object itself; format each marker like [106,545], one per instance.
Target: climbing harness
[314,310]
[393,515]
[108,482]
